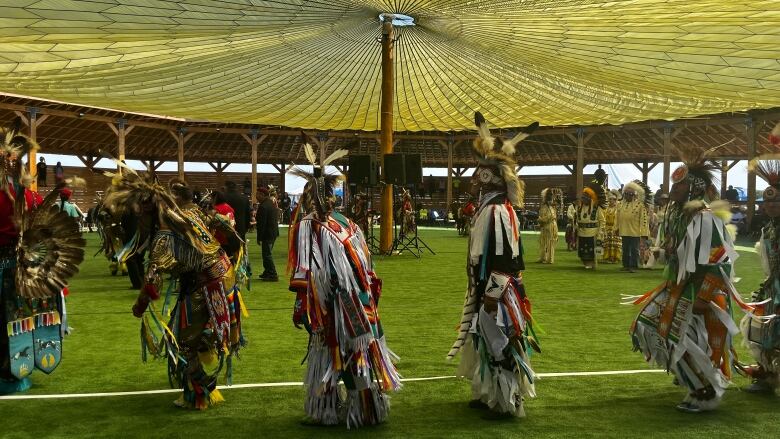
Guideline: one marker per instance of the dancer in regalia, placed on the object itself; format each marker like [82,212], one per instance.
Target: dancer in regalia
[337,298]
[612,245]
[591,224]
[406,214]
[548,225]
[360,213]
[761,329]
[40,248]
[571,226]
[496,334]
[204,330]
[632,224]
[467,211]
[685,324]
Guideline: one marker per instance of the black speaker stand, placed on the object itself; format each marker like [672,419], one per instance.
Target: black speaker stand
[409,242]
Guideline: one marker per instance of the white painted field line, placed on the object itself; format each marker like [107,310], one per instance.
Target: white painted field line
[298,384]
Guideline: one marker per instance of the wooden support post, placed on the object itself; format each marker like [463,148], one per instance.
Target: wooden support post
[282,178]
[219,167]
[254,142]
[344,170]
[33,122]
[751,131]
[449,146]
[386,123]
[667,135]
[579,168]
[89,161]
[121,129]
[726,166]
[181,138]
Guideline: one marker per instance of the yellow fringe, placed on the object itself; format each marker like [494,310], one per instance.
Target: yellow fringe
[244,310]
[208,358]
[215,397]
[165,325]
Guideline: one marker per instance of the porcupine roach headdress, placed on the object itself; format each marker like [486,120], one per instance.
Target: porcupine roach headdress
[496,159]
[769,171]
[698,171]
[130,190]
[321,186]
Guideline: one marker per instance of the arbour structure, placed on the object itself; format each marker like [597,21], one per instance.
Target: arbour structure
[63,128]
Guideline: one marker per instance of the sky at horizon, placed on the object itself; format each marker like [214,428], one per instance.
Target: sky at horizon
[618,174]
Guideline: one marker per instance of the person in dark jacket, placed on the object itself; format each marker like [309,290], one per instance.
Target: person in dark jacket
[285,205]
[267,219]
[240,205]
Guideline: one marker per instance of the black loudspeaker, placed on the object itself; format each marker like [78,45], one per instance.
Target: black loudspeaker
[362,170]
[395,169]
[414,171]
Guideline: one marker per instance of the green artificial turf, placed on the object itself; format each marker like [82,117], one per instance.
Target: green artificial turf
[585,329]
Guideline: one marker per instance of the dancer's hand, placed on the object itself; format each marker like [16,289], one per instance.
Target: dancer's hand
[140,305]
[490,304]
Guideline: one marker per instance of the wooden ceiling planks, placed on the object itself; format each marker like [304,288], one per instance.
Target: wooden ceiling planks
[79,130]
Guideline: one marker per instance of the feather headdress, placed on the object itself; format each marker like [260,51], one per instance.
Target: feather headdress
[321,185]
[769,171]
[14,146]
[596,193]
[546,195]
[638,188]
[698,171]
[132,191]
[499,153]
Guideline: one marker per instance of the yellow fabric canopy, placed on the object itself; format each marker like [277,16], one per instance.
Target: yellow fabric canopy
[316,64]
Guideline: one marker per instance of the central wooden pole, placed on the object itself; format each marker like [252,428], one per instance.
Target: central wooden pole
[751,130]
[386,228]
[32,157]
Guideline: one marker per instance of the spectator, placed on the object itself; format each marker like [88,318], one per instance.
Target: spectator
[732,195]
[68,206]
[241,208]
[223,210]
[285,204]
[41,171]
[267,231]
[59,173]
[431,185]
